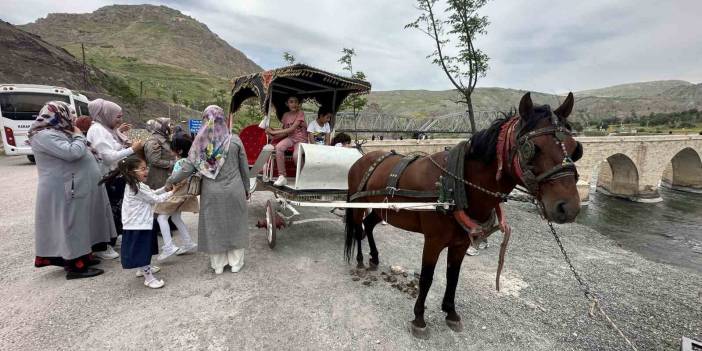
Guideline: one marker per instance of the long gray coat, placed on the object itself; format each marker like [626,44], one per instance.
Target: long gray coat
[223,223]
[160,160]
[72,210]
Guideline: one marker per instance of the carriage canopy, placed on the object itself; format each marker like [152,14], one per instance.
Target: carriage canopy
[308,83]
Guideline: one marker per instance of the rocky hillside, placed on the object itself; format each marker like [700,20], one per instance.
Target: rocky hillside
[155,35]
[27,59]
[30,60]
[160,52]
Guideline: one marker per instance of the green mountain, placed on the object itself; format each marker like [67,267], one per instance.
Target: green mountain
[636,90]
[159,51]
[634,99]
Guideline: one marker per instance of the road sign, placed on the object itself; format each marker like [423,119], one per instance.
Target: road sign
[194,125]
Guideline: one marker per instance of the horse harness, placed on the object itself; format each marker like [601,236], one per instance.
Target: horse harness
[391,188]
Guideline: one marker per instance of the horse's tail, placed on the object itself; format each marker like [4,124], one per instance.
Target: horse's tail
[350,241]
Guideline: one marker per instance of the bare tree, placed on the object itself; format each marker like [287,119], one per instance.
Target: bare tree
[464,23]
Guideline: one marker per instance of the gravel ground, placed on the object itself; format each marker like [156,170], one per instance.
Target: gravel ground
[302,296]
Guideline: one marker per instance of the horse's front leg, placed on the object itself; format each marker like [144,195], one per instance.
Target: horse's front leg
[430,254]
[453,270]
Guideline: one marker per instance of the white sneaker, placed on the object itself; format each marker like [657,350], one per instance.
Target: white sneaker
[183,249]
[154,269]
[472,251]
[154,283]
[281,181]
[109,254]
[167,252]
[483,245]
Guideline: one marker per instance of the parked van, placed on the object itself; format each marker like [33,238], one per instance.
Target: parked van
[19,106]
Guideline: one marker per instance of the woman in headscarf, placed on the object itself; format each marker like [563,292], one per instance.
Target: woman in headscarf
[219,157]
[157,149]
[72,210]
[107,137]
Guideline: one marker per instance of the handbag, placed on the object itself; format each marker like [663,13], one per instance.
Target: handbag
[194,185]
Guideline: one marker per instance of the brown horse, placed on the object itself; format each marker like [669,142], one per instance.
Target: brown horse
[534,149]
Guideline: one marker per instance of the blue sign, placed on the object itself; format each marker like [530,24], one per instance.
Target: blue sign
[194,125]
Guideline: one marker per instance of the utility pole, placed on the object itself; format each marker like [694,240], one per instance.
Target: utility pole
[141,99]
[85,71]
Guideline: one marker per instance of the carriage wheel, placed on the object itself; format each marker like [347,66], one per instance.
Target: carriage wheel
[270,223]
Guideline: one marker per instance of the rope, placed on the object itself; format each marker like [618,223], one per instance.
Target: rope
[528,198]
[594,301]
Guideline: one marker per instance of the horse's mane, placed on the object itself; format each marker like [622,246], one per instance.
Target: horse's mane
[484,142]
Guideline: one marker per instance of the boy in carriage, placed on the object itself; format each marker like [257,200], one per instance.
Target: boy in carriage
[319,130]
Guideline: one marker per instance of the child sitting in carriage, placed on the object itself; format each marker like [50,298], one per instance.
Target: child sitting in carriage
[294,131]
[318,131]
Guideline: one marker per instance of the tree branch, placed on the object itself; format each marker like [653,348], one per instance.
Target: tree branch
[438,45]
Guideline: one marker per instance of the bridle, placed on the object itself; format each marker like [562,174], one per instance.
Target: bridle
[516,151]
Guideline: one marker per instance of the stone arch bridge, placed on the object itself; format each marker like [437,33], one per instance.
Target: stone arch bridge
[631,167]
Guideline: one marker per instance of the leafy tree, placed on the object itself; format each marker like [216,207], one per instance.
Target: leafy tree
[464,25]
[289,58]
[354,102]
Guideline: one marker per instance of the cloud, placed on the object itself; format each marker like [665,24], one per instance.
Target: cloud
[538,45]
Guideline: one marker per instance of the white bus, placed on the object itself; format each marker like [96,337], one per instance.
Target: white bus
[19,106]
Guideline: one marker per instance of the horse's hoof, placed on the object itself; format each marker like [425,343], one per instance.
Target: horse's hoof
[360,265]
[456,326]
[372,266]
[419,333]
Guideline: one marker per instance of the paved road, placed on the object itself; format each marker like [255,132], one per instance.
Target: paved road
[301,295]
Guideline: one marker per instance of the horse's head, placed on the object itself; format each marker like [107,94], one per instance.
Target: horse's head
[543,156]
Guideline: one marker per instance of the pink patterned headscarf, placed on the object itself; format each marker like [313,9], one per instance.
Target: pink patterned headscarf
[54,115]
[106,112]
[211,144]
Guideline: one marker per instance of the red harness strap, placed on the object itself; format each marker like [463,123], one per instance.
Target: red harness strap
[505,141]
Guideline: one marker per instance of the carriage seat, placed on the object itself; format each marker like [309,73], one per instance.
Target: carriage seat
[254,139]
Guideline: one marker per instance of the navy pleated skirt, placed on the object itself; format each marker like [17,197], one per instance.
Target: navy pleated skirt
[137,248]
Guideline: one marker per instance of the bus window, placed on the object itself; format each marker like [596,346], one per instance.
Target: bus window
[26,106]
[81,108]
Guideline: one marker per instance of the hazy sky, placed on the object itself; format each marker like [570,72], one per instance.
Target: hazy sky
[547,46]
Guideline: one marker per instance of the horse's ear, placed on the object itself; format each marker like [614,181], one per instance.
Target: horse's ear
[526,107]
[566,107]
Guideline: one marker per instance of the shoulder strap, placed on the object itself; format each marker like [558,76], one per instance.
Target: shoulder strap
[397,171]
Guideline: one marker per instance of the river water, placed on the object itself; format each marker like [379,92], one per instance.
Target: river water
[669,231]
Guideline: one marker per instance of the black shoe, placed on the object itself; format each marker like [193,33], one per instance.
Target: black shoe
[89,272]
[93,262]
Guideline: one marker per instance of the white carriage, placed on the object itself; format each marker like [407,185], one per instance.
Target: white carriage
[321,172]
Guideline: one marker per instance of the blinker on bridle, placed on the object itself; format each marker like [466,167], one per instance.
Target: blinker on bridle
[525,152]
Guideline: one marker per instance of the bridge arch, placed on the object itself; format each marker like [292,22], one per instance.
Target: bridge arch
[684,171]
[619,177]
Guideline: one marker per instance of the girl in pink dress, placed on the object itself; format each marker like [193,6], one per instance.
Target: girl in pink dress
[294,131]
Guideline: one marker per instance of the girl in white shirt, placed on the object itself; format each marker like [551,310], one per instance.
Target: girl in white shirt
[318,130]
[106,137]
[139,241]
